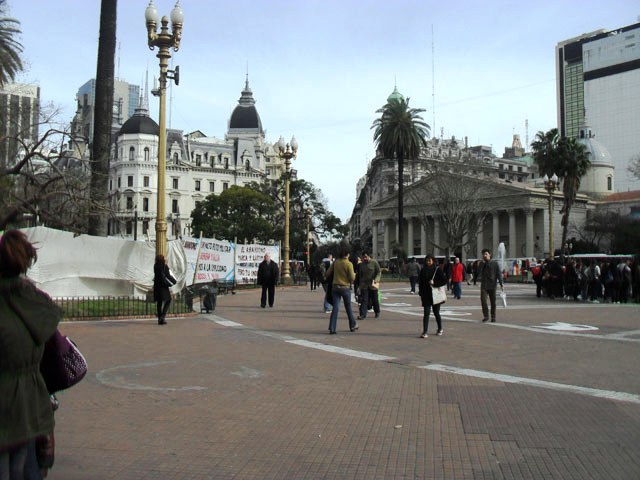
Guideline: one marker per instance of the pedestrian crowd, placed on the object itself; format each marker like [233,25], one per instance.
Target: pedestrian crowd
[592,280]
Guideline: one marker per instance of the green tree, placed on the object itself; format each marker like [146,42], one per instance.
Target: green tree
[10,47]
[305,201]
[400,133]
[237,213]
[103,115]
[574,163]
[569,160]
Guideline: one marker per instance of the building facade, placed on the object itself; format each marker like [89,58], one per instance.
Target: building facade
[197,165]
[19,118]
[598,85]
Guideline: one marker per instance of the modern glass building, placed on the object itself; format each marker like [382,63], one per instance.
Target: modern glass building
[598,85]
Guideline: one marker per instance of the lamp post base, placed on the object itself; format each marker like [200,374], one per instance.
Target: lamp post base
[286,280]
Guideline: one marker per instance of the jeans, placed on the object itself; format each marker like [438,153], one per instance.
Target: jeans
[457,289]
[163,308]
[343,293]
[491,294]
[413,281]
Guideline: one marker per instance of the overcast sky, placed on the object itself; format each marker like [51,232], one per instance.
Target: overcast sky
[320,69]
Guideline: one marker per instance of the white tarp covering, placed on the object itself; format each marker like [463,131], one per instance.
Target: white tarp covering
[72,266]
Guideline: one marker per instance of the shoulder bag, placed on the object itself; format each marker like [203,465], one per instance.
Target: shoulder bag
[439,294]
[62,365]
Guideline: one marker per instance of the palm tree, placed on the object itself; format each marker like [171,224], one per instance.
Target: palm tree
[567,158]
[574,163]
[10,48]
[545,151]
[400,133]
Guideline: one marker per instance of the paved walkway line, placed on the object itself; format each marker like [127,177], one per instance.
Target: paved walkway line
[593,392]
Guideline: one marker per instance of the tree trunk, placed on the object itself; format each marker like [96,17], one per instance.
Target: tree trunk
[401,203]
[103,117]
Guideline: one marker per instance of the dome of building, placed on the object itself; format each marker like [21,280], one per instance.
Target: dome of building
[245,116]
[598,153]
[140,124]
[395,95]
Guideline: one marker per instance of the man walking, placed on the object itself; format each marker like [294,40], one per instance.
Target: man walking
[489,274]
[268,279]
[369,283]
[457,277]
[413,270]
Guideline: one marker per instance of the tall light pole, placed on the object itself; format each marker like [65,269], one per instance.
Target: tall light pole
[550,184]
[308,212]
[287,152]
[165,41]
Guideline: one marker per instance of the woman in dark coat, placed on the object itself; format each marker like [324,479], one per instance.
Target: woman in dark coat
[28,318]
[430,276]
[162,280]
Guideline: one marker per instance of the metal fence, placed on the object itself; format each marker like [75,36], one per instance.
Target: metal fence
[108,306]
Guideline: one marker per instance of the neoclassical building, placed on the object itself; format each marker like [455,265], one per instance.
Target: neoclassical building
[197,165]
[516,206]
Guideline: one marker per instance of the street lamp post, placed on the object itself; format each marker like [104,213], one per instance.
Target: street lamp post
[164,41]
[308,212]
[287,152]
[550,184]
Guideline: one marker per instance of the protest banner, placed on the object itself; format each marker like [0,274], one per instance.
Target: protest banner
[215,260]
[248,258]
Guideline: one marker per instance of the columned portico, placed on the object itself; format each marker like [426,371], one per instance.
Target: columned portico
[410,252]
[496,233]
[386,239]
[374,234]
[436,235]
[529,245]
[513,241]
[423,239]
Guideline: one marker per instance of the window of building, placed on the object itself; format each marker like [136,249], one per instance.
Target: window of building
[130,181]
[520,169]
[175,183]
[501,175]
[390,189]
[145,181]
[175,157]
[174,205]
[212,186]
[198,160]
[225,186]
[119,182]
[129,227]
[226,163]
[129,203]
[146,154]
[145,204]
[145,227]
[110,184]
[609,183]
[197,185]
[132,154]
[501,166]
[511,168]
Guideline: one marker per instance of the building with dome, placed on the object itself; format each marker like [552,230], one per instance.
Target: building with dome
[514,199]
[197,165]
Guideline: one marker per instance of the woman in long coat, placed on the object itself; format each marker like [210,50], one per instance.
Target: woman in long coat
[28,318]
[162,280]
[430,277]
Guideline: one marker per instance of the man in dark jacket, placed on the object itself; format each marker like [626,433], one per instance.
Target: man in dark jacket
[268,278]
[489,275]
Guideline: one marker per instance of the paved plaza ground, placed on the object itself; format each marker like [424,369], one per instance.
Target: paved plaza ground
[552,390]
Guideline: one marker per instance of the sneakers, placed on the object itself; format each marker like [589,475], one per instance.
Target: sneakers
[424,335]
[439,333]
[485,319]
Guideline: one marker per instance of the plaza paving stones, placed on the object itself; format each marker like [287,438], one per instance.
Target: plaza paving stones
[251,393]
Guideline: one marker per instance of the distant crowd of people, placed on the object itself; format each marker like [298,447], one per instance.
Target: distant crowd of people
[592,280]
